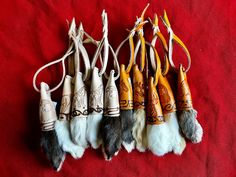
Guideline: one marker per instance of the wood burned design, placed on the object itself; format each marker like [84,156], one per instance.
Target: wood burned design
[123,86]
[96,100]
[111,102]
[65,107]
[80,107]
[164,95]
[184,99]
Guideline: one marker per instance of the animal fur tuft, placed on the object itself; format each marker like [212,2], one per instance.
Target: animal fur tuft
[139,129]
[190,126]
[178,142]
[63,133]
[111,135]
[93,130]
[127,123]
[78,131]
[50,145]
[158,138]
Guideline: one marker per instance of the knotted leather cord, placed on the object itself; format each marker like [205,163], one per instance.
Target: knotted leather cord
[174,38]
[137,28]
[100,44]
[70,63]
[78,42]
[155,63]
[77,45]
[158,35]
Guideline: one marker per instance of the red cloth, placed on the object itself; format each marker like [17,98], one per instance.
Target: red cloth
[33,33]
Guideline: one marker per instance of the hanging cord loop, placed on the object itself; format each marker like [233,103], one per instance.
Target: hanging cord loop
[138,27]
[79,48]
[174,38]
[158,35]
[103,44]
[62,60]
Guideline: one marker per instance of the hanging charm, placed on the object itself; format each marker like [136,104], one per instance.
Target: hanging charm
[158,134]
[48,117]
[139,114]
[186,114]
[166,95]
[96,97]
[62,125]
[126,92]
[80,98]
[111,123]
[49,139]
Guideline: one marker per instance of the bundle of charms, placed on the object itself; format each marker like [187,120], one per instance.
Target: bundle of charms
[142,114]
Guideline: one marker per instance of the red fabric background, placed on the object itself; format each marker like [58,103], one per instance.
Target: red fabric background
[33,33]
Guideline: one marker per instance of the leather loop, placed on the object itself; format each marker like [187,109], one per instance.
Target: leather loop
[131,44]
[62,60]
[158,35]
[174,38]
[80,48]
[156,63]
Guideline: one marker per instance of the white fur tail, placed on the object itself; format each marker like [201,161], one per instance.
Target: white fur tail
[92,133]
[178,142]
[158,138]
[62,130]
[78,131]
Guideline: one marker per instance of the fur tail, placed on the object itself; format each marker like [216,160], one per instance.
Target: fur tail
[190,126]
[127,123]
[78,131]
[139,129]
[93,130]
[62,130]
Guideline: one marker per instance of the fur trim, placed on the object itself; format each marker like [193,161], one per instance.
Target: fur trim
[52,149]
[190,126]
[78,131]
[127,123]
[178,142]
[111,135]
[139,129]
[62,130]
[93,130]
[158,137]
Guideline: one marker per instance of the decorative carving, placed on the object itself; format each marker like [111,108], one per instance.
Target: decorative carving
[154,115]
[184,99]
[96,99]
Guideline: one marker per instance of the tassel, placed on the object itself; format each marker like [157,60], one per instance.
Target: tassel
[187,115]
[96,110]
[49,139]
[111,123]
[139,129]
[126,106]
[62,125]
[79,112]
[169,110]
[158,135]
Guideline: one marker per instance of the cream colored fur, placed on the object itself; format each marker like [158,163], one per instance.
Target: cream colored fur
[63,133]
[178,142]
[78,131]
[158,139]
[93,128]
[139,130]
